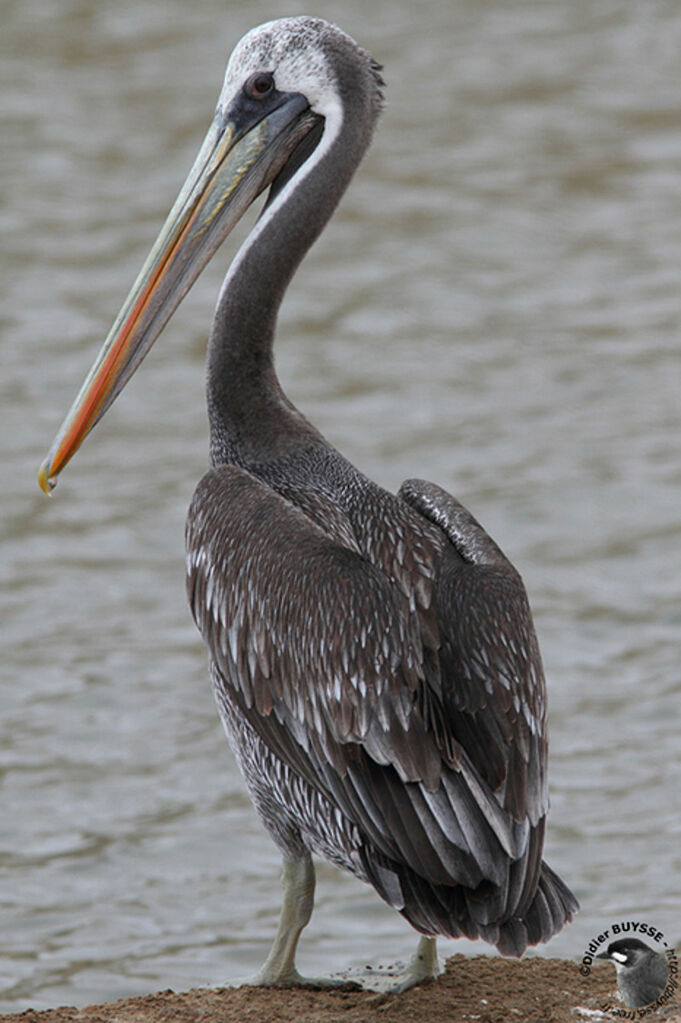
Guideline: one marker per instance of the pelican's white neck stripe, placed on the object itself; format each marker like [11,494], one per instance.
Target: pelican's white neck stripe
[333,122]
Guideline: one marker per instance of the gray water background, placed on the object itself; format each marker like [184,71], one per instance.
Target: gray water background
[494,307]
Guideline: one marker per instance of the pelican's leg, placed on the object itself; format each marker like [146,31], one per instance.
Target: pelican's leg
[279,969]
[298,881]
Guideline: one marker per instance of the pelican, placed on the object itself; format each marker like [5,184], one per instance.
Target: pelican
[373,655]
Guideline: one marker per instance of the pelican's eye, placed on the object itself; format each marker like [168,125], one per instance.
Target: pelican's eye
[259,85]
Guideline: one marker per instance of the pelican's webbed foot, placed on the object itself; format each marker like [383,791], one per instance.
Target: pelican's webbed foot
[423,965]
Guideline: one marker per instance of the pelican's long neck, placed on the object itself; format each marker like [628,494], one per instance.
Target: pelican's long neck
[251,420]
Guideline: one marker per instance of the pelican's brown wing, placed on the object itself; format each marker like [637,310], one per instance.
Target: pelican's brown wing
[348,681]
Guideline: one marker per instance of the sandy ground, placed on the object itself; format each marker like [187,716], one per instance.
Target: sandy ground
[482,989]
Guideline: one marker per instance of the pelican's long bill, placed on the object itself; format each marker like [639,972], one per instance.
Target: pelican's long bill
[244,150]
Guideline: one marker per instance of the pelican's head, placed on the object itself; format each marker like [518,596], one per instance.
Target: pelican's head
[289,86]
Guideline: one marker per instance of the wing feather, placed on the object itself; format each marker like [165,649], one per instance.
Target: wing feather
[495,701]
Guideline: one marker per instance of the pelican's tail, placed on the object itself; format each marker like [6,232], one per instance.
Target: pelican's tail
[537,911]
[553,906]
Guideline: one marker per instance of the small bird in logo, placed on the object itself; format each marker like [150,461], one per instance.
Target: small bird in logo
[641,971]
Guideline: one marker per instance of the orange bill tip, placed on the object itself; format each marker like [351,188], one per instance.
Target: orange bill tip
[47,482]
